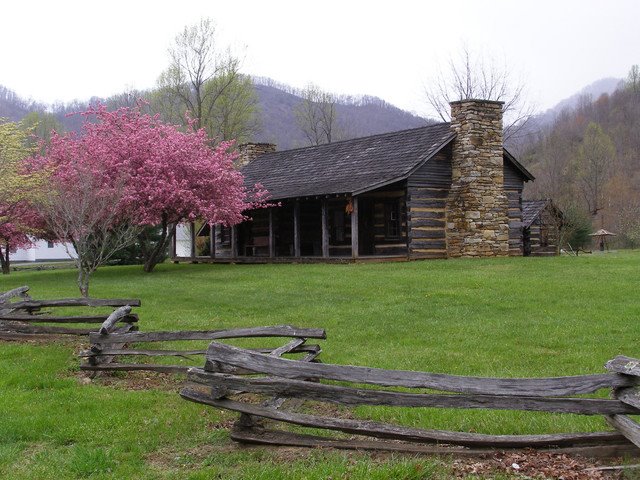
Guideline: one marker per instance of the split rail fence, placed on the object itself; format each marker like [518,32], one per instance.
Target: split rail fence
[109,348]
[22,318]
[290,379]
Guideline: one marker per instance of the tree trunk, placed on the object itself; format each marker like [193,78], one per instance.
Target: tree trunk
[83,281]
[165,238]
[4,260]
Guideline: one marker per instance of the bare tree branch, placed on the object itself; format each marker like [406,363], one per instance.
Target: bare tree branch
[316,115]
[465,79]
[89,219]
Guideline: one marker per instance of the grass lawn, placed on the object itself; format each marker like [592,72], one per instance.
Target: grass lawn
[502,317]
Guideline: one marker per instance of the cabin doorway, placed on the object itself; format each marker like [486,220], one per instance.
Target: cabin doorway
[526,241]
[366,227]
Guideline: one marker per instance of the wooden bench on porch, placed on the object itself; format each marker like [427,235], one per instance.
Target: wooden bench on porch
[256,245]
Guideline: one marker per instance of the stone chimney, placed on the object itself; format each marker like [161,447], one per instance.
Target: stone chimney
[249,151]
[477,206]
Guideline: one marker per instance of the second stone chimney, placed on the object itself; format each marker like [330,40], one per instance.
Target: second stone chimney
[477,206]
[249,151]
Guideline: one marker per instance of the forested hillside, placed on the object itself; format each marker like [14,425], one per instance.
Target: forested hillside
[588,161]
[13,107]
[355,116]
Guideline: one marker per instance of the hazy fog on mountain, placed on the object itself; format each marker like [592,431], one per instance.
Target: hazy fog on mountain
[13,107]
[589,93]
[537,124]
[356,116]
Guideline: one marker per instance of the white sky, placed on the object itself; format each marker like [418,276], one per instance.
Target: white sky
[64,50]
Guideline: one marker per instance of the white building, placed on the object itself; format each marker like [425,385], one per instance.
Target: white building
[43,250]
[183,240]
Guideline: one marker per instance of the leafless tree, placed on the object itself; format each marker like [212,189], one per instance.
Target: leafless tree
[472,77]
[593,166]
[87,216]
[316,115]
[205,81]
[633,79]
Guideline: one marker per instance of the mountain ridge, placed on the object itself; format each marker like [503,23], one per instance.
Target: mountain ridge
[355,115]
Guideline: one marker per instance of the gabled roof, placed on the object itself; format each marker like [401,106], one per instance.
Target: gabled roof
[525,173]
[348,167]
[531,209]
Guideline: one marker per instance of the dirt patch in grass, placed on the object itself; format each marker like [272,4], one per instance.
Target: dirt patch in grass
[135,380]
[533,464]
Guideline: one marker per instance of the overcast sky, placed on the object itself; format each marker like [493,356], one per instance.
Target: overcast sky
[64,50]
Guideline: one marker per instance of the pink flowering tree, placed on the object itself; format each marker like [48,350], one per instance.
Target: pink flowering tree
[11,239]
[20,225]
[14,232]
[127,170]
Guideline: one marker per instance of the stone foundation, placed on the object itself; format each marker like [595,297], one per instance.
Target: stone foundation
[477,208]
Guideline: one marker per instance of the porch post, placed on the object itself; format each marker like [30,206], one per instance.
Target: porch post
[325,229]
[212,240]
[272,245]
[296,228]
[174,245]
[234,242]
[354,228]
[193,240]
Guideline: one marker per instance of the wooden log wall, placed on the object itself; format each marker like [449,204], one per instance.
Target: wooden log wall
[427,191]
[375,210]
[544,234]
[513,186]
[24,318]
[289,378]
[222,241]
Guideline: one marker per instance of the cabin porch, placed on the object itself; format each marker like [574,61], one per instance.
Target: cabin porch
[330,228]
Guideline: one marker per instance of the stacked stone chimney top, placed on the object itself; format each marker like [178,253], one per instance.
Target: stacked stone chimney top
[476,100]
[250,151]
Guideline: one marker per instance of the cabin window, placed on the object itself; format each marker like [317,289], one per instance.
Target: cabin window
[392,221]
[49,244]
[225,235]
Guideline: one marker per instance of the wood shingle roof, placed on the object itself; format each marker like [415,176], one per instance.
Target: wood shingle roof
[531,209]
[350,166]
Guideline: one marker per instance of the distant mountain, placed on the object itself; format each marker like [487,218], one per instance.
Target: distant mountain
[356,116]
[538,124]
[588,94]
[13,107]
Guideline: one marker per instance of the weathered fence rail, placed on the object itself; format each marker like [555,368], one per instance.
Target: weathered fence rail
[288,379]
[22,318]
[110,345]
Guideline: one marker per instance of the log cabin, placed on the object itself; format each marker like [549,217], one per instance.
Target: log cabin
[541,224]
[441,191]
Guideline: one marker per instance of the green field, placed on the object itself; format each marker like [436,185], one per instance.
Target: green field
[504,317]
